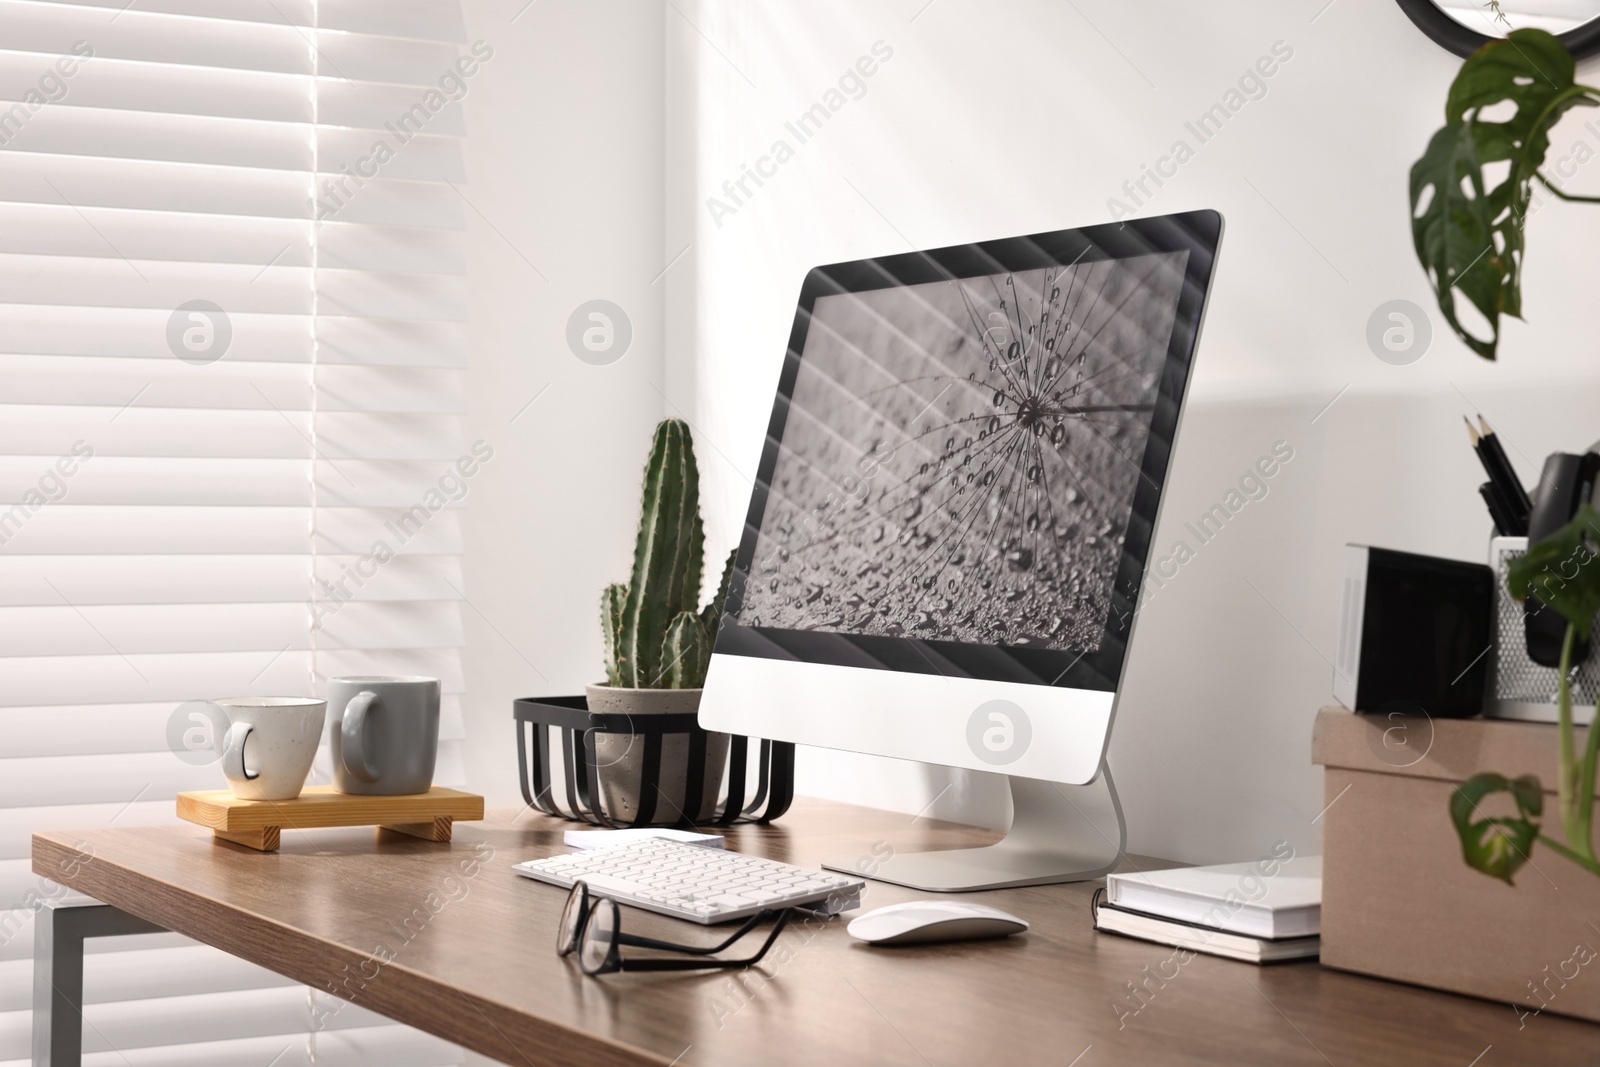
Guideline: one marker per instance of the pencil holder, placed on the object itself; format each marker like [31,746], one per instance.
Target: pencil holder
[1518,687]
[560,734]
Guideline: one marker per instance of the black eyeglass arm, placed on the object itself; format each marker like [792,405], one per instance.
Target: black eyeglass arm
[696,964]
[707,964]
[636,941]
[669,946]
[777,928]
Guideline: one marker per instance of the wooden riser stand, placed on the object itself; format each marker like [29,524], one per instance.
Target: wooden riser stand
[259,824]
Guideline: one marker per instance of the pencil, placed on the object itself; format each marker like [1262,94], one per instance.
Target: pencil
[1493,457]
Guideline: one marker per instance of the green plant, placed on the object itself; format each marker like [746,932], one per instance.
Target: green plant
[1470,194]
[654,636]
[1561,571]
[1467,225]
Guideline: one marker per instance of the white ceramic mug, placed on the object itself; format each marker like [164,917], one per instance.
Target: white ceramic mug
[270,743]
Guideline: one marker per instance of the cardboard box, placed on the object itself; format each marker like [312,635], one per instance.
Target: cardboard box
[1398,900]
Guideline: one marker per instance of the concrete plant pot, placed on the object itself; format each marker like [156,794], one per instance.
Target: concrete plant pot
[621,757]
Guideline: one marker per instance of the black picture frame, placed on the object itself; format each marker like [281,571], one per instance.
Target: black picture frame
[1453,36]
[1196,232]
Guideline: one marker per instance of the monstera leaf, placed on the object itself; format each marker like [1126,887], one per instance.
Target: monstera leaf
[1562,571]
[1467,228]
[1497,846]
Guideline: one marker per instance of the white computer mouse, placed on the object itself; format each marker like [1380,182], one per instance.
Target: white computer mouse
[933,920]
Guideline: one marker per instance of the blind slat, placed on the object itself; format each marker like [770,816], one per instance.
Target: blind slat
[230,384]
[128,1028]
[398,110]
[110,83]
[421,251]
[46,229]
[142,236]
[115,282]
[392,60]
[51,430]
[122,778]
[139,973]
[273,12]
[132,630]
[153,185]
[75,130]
[53,29]
[142,333]
[26,482]
[17,825]
[257,340]
[70,529]
[176,677]
[105,729]
[434,20]
[239,289]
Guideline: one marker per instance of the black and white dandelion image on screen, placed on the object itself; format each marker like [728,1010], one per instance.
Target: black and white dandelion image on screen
[960,458]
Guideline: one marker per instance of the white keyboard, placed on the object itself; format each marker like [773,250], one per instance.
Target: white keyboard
[703,885]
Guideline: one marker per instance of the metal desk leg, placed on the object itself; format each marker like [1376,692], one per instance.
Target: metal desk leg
[58,932]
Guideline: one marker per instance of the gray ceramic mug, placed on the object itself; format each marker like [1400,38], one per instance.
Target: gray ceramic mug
[383,734]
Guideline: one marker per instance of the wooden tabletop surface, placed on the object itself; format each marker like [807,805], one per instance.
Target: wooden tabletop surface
[446,938]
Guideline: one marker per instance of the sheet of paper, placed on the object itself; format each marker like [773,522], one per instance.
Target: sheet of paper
[587,839]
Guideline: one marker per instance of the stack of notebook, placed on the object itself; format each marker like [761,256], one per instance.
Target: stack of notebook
[1238,910]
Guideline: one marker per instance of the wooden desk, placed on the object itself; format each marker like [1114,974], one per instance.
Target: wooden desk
[473,961]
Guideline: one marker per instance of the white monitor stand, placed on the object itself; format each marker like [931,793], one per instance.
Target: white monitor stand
[1059,833]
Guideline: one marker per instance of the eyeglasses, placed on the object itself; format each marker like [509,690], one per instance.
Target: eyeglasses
[591,927]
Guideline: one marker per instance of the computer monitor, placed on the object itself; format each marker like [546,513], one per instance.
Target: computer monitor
[952,517]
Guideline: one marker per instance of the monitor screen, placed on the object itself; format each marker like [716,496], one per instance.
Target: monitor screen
[965,459]
[960,457]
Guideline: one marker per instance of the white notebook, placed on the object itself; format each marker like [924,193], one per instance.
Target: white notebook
[1201,939]
[1240,897]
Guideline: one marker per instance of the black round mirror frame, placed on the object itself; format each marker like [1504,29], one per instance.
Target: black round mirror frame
[1446,31]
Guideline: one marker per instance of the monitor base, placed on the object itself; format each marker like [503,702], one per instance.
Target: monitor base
[1059,833]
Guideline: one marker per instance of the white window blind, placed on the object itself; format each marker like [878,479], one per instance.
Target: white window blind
[179,528]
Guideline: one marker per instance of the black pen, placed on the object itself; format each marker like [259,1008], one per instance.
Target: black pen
[1498,510]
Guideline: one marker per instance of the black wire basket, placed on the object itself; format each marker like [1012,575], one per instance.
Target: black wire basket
[564,728]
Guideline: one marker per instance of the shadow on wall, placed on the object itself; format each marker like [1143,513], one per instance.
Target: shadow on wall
[1233,649]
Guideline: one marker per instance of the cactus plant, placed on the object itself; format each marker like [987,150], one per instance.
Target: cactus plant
[656,635]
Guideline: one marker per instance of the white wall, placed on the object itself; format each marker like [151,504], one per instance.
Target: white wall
[599,130]
[994,119]
[564,161]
